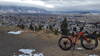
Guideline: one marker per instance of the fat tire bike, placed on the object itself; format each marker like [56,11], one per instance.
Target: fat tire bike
[87,41]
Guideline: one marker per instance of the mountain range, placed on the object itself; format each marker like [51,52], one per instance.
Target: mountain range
[20,9]
[23,9]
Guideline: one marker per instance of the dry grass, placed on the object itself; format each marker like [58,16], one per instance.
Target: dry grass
[46,42]
[41,34]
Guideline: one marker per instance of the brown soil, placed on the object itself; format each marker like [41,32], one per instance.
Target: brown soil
[43,42]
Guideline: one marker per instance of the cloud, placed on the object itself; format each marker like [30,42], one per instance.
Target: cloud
[38,2]
[30,3]
[75,4]
[60,4]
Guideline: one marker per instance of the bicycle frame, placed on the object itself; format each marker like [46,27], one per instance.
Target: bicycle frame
[76,37]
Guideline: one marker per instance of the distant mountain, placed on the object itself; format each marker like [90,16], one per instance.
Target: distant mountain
[20,9]
[25,9]
[76,11]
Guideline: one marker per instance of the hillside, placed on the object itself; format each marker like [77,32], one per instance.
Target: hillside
[20,9]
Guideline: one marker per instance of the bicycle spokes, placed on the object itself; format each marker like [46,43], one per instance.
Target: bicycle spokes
[65,43]
[89,43]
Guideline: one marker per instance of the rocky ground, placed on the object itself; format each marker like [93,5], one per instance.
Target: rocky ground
[43,42]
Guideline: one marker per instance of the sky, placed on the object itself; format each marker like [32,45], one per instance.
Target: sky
[56,5]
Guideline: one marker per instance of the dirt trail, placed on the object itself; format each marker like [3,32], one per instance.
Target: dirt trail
[11,43]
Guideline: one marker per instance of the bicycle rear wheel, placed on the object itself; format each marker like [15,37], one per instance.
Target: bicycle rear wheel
[65,43]
[89,43]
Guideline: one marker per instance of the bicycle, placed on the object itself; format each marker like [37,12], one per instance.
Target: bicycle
[88,42]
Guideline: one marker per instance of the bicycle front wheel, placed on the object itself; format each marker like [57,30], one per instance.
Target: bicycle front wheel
[65,43]
[89,43]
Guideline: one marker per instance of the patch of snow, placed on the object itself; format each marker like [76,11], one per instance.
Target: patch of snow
[93,55]
[79,48]
[27,51]
[21,55]
[15,32]
[38,54]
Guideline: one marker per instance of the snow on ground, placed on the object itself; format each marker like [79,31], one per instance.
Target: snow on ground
[15,32]
[29,52]
[38,54]
[93,55]
[79,48]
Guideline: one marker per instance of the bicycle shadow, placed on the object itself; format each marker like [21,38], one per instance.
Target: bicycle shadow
[78,50]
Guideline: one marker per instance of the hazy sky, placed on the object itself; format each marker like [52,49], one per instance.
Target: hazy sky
[56,4]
